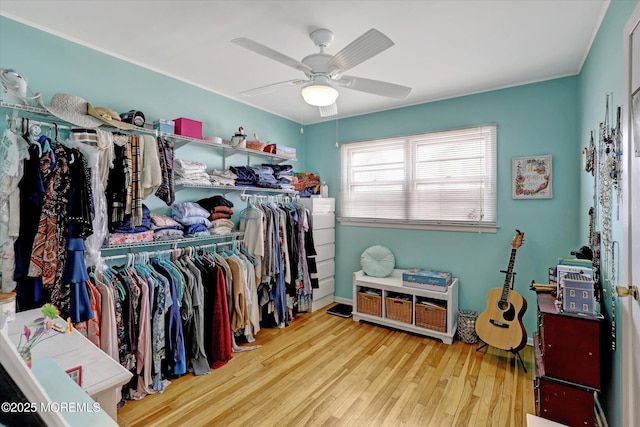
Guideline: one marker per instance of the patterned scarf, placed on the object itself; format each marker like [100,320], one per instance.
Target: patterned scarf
[48,253]
[166,190]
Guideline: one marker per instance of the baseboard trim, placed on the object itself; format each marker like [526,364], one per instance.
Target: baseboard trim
[341,300]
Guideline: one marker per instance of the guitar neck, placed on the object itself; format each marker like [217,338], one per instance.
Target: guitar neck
[507,280]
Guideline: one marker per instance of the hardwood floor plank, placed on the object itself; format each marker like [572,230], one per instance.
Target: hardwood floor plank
[494,392]
[464,406]
[507,396]
[324,370]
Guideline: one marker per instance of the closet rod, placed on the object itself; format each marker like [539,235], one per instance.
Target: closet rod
[175,250]
[17,123]
[174,243]
[132,257]
[285,197]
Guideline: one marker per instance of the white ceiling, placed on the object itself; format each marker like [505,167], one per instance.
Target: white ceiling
[443,49]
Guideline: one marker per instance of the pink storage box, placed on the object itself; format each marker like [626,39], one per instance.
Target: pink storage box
[188,127]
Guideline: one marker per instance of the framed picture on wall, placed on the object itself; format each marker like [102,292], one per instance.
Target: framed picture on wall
[531,177]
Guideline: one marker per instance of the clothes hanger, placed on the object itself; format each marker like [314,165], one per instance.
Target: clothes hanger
[249,255]
[71,149]
[46,143]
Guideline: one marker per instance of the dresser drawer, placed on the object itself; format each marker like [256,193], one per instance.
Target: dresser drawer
[327,287]
[326,269]
[319,204]
[323,220]
[325,252]
[569,344]
[323,237]
[564,403]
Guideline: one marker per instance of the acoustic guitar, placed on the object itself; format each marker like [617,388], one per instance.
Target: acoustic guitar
[500,325]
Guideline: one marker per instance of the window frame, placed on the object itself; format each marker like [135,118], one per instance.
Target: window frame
[412,142]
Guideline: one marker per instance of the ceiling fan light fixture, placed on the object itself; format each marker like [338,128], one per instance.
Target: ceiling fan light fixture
[319,94]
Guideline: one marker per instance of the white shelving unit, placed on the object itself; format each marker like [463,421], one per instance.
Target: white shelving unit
[42,116]
[225,150]
[185,241]
[323,220]
[393,284]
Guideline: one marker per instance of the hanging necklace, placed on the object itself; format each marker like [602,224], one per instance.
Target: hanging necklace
[590,154]
[617,154]
[613,283]
[606,181]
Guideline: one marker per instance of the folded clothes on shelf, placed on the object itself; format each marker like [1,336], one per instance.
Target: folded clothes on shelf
[167,234]
[126,227]
[210,203]
[218,177]
[188,209]
[163,222]
[188,172]
[128,238]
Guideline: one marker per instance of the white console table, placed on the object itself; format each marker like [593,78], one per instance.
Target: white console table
[393,284]
[101,375]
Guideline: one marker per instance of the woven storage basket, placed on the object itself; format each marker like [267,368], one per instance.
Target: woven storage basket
[398,309]
[467,326]
[369,304]
[431,317]
[256,145]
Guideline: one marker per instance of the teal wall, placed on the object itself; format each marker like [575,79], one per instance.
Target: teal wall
[53,64]
[533,119]
[603,74]
[552,117]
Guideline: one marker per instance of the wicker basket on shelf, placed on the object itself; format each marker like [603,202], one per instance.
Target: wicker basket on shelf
[398,309]
[467,326]
[430,315]
[369,304]
[256,145]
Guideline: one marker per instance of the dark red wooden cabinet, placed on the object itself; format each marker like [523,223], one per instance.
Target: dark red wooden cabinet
[567,355]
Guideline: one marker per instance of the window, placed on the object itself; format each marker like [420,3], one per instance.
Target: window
[437,180]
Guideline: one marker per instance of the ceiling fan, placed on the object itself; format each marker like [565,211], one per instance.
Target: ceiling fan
[324,71]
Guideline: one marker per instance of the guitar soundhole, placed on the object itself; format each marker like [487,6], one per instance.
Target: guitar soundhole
[508,312]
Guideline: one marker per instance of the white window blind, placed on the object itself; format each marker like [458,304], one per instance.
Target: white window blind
[440,179]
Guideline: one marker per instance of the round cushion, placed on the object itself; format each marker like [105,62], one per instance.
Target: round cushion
[377,261]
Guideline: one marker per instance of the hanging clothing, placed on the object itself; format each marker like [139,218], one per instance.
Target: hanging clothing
[95,241]
[216,319]
[166,191]
[13,153]
[116,189]
[75,275]
[280,238]
[151,175]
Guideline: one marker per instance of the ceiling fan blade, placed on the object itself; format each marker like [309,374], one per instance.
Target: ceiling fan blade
[329,110]
[364,47]
[270,53]
[270,88]
[375,86]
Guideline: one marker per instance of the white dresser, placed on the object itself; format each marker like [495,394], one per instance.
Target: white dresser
[323,220]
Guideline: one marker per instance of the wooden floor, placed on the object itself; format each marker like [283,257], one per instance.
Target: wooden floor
[327,370]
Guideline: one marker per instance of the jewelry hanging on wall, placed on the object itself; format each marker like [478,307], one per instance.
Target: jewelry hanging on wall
[613,283]
[594,235]
[617,155]
[590,155]
[594,243]
[605,155]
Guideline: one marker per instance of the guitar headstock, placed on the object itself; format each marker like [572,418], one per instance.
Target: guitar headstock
[517,240]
